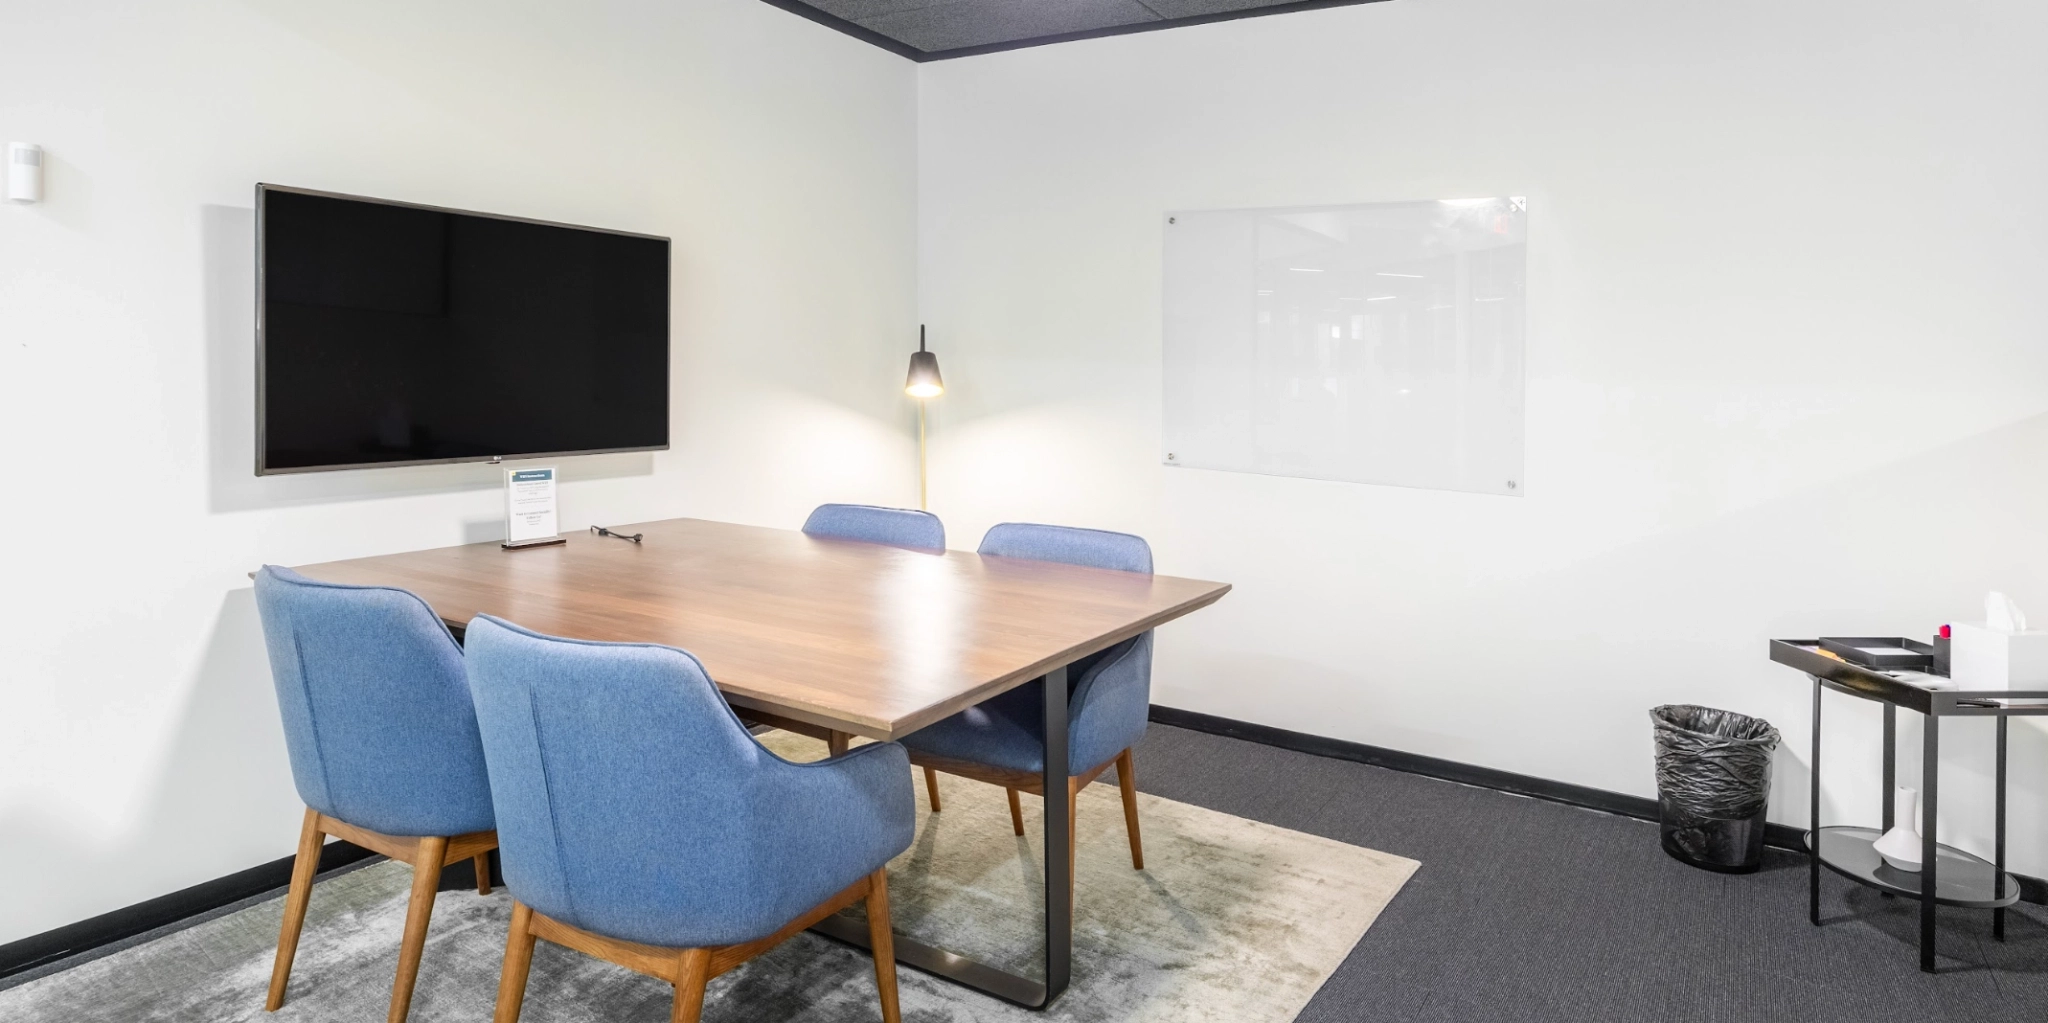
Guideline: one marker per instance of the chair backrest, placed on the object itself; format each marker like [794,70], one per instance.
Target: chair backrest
[377,716]
[1110,691]
[900,527]
[631,802]
[1093,548]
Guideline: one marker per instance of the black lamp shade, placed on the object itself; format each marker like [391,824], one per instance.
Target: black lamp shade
[924,380]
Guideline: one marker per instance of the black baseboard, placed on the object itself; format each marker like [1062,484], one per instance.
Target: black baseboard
[107,928]
[1781,836]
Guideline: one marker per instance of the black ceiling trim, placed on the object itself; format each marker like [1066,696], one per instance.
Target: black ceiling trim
[1143,26]
[901,49]
[862,33]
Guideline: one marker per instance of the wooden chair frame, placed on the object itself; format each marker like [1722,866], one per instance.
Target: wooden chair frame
[1030,781]
[427,855]
[1012,782]
[690,969]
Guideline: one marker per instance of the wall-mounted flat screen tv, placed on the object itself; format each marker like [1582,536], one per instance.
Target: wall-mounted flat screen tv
[394,334]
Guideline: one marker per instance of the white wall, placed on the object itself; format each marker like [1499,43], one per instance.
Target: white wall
[1787,362]
[1788,359]
[139,745]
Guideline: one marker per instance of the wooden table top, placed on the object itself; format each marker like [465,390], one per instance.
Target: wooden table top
[864,638]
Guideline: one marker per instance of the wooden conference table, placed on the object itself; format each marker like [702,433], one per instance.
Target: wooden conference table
[853,637]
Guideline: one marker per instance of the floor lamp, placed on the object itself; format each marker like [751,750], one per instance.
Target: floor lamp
[923,383]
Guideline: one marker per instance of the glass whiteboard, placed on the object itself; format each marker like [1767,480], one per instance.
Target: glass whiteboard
[1376,343]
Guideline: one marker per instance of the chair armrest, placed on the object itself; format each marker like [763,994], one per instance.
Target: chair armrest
[855,811]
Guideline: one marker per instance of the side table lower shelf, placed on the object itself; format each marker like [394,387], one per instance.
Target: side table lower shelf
[1961,879]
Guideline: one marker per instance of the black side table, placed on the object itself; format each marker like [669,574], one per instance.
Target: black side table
[1948,876]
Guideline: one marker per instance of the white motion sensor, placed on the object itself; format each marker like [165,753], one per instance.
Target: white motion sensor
[24,172]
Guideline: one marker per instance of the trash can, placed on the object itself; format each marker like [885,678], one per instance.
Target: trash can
[1713,784]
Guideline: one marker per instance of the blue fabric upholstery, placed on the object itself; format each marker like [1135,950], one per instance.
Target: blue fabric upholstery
[900,527]
[632,803]
[1109,693]
[377,716]
[1093,548]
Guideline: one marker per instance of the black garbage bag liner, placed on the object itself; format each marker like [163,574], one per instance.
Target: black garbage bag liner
[1717,763]
[1713,784]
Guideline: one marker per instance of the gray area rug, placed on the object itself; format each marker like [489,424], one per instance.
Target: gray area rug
[1232,920]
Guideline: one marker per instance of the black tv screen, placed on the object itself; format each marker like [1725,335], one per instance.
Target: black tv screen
[394,334]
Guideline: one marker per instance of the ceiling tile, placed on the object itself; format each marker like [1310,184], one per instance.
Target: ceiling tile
[861,11]
[920,28]
[959,23]
[1197,8]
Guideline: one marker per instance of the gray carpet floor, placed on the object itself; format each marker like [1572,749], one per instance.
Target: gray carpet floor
[1531,911]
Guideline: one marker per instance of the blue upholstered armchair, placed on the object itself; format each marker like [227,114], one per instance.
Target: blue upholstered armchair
[643,824]
[900,527]
[383,745]
[1002,741]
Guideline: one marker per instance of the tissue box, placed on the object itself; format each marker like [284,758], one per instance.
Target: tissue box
[1980,658]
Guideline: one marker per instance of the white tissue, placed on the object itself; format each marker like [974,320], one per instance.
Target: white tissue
[2002,615]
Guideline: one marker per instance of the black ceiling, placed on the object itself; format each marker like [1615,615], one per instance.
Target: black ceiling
[938,29]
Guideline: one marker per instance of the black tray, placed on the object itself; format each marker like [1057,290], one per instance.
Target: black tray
[1853,650]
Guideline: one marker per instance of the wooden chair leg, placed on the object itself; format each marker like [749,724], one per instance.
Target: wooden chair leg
[1016,814]
[883,942]
[426,880]
[1127,780]
[836,742]
[304,866]
[483,873]
[691,977]
[931,787]
[518,960]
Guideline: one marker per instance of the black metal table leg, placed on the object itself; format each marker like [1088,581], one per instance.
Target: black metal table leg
[1998,875]
[1891,761]
[1930,771]
[1891,768]
[1059,909]
[1059,841]
[1813,835]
